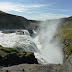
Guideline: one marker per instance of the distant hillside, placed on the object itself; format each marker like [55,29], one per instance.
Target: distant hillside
[63,21]
[9,21]
[34,24]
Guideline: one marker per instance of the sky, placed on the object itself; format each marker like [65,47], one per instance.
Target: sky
[38,9]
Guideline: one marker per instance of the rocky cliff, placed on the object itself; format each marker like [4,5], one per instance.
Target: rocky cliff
[9,21]
[66,67]
[11,56]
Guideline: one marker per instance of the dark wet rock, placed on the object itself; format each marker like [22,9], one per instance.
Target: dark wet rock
[66,67]
[7,31]
[10,57]
[31,32]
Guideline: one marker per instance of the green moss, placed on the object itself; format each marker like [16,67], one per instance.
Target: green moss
[65,58]
[24,53]
[7,51]
[68,50]
[66,36]
[65,33]
[11,56]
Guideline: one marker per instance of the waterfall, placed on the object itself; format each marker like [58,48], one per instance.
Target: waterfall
[51,49]
[46,48]
[20,42]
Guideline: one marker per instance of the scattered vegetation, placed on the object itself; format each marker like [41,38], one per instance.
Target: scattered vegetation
[65,34]
[11,56]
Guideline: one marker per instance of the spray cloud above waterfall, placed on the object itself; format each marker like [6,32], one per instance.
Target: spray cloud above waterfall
[52,49]
[44,45]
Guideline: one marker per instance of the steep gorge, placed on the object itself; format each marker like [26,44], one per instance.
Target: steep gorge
[51,51]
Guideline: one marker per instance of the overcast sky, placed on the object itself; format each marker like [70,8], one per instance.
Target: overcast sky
[38,9]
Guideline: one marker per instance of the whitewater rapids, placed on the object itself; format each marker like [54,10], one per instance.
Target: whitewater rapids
[27,43]
[21,42]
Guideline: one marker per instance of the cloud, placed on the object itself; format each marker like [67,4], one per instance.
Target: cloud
[7,6]
[61,10]
[47,16]
[29,12]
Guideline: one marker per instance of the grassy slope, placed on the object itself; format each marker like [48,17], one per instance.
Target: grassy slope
[65,33]
[66,36]
[6,51]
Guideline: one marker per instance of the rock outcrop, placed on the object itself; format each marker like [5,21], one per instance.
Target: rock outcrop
[66,67]
[10,57]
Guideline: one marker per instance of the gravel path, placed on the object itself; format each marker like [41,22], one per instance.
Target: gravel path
[31,68]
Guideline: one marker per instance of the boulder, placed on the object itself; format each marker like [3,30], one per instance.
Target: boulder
[10,57]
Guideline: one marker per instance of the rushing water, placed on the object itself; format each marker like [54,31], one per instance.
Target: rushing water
[46,49]
[52,48]
[15,40]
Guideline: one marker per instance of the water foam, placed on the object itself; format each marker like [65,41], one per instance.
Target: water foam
[22,42]
[46,47]
[51,50]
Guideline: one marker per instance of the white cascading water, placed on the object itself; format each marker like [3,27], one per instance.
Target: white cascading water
[15,40]
[52,49]
[46,48]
